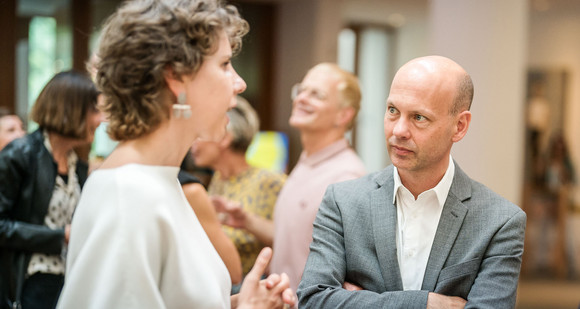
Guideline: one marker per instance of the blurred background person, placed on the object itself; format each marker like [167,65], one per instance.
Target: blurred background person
[325,105]
[249,193]
[559,168]
[324,108]
[11,127]
[560,177]
[551,206]
[201,204]
[40,183]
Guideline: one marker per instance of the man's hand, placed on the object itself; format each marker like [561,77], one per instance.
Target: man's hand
[273,292]
[230,213]
[438,301]
[351,287]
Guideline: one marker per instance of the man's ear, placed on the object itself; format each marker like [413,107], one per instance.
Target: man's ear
[174,82]
[461,125]
[344,116]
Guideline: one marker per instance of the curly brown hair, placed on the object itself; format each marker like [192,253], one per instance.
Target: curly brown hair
[143,39]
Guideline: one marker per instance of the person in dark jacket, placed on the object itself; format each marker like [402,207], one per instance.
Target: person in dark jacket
[11,127]
[40,183]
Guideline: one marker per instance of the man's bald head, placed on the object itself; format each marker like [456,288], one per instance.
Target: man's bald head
[445,72]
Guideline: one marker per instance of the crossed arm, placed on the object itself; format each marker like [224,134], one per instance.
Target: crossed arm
[326,270]
[325,275]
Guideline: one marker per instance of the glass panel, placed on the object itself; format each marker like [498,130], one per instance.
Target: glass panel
[41,56]
[347,49]
[44,49]
[373,69]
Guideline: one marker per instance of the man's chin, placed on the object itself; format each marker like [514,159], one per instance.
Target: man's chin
[296,123]
[400,163]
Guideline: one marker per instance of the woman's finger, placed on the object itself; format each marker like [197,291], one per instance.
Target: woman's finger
[262,261]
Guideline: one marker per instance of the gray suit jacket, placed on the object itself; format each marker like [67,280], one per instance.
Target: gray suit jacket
[476,253]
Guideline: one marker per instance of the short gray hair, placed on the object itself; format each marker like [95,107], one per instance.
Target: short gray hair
[244,124]
[464,95]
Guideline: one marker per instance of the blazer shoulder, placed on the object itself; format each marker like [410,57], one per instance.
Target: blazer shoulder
[364,184]
[482,196]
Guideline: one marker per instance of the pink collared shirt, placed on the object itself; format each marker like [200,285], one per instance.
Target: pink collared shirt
[299,200]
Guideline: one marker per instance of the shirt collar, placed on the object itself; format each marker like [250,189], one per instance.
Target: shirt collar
[441,189]
[325,153]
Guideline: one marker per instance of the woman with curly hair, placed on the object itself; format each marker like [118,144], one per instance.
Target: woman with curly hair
[165,71]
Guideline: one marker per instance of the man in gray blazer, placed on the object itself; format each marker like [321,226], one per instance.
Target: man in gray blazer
[420,233]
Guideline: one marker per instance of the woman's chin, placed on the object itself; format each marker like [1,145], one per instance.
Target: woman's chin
[214,136]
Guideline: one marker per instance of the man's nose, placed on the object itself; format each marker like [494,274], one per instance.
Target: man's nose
[401,128]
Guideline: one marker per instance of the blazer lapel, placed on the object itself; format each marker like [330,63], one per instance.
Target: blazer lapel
[452,217]
[384,220]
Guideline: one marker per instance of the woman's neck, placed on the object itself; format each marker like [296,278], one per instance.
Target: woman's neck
[164,146]
[61,147]
[231,164]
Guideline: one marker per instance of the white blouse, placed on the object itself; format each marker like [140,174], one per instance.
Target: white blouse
[136,243]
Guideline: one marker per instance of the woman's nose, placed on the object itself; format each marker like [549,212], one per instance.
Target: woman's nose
[239,83]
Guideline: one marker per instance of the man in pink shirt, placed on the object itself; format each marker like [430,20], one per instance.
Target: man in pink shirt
[324,108]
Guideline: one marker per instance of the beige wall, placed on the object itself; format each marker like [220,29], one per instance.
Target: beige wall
[488,38]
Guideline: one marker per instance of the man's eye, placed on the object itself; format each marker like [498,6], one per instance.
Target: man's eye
[420,117]
[318,95]
[392,110]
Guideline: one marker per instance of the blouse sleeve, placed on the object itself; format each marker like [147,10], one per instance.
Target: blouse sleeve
[115,255]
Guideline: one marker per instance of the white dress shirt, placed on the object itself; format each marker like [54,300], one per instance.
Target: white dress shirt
[417,222]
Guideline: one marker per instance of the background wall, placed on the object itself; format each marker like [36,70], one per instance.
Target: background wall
[488,38]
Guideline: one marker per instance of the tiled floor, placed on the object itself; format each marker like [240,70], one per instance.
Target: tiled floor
[548,294]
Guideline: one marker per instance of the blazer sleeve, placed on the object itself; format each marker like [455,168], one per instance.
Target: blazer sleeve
[326,268]
[497,281]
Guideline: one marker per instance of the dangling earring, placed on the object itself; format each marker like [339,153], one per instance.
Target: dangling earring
[181,109]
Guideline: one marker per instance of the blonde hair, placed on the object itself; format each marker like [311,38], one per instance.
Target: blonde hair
[348,88]
[144,38]
[243,125]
